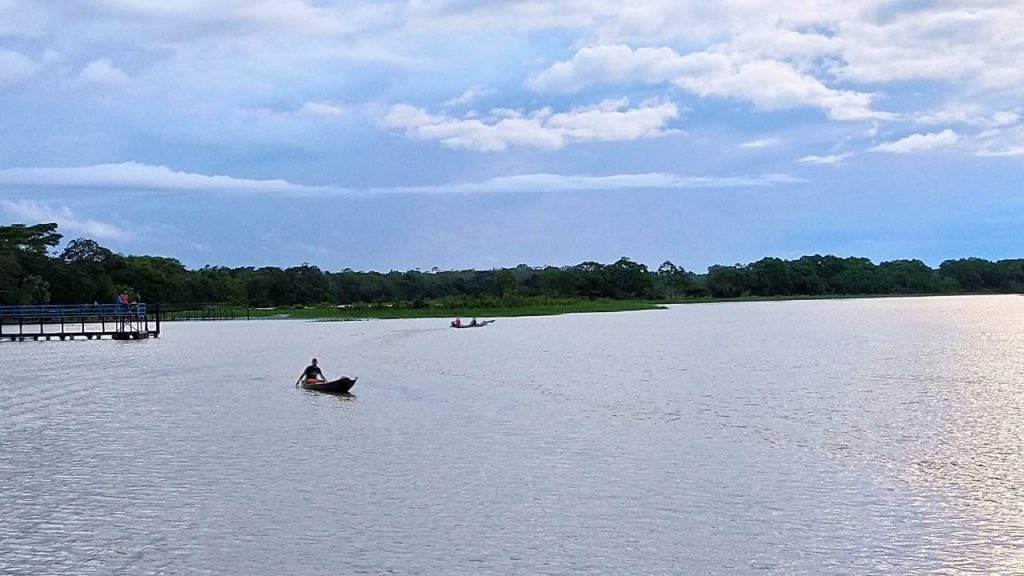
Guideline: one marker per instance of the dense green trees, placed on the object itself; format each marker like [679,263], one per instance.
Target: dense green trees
[24,263]
[87,272]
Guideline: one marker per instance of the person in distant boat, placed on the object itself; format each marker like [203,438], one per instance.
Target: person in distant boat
[472,322]
[457,323]
[311,374]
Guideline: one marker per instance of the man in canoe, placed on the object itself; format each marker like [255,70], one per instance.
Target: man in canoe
[311,374]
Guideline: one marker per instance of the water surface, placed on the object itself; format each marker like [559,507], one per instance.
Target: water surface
[822,437]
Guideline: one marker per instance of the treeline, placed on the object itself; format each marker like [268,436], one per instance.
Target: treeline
[85,272]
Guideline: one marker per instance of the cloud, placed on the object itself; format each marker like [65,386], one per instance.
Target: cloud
[15,67]
[140,177]
[847,59]
[608,121]
[321,110]
[136,176]
[920,142]
[759,143]
[976,45]
[32,211]
[830,160]
[103,73]
[768,84]
[970,115]
[1003,152]
[1004,118]
[471,94]
[1002,141]
[582,182]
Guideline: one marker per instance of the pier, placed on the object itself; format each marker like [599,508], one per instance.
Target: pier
[88,321]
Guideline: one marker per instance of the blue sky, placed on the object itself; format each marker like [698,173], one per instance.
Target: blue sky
[468,134]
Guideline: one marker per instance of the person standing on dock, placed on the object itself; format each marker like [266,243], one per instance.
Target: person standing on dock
[312,373]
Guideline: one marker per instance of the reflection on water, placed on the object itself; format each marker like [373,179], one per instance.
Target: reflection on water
[973,464]
[828,437]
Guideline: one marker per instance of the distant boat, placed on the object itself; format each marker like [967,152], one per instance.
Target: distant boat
[471,325]
[339,386]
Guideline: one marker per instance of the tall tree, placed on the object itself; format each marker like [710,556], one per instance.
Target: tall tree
[33,240]
[628,279]
[11,274]
[728,281]
[83,250]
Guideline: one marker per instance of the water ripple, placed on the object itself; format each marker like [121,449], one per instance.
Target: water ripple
[840,437]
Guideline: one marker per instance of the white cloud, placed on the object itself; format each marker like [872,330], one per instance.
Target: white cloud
[759,143]
[608,121]
[291,19]
[1001,141]
[970,115]
[15,67]
[322,110]
[1003,152]
[582,182]
[1004,118]
[140,177]
[979,45]
[136,176]
[193,59]
[33,211]
[920,142]
[830,160]
[768,84]
[471,94]
[103,73]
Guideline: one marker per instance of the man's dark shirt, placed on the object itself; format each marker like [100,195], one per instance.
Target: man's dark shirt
[312,371]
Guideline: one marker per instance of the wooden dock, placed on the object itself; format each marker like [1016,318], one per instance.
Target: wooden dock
[88,321]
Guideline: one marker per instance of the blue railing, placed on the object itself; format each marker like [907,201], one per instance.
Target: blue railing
[75,310]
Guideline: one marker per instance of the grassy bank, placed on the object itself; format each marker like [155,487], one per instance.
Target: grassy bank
[391,311]
[531,307]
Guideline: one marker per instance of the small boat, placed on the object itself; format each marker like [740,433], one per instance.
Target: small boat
[471,325]
[339,386]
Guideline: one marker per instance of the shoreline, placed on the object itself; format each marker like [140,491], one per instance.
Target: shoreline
[394,312]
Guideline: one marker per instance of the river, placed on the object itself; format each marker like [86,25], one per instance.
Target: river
[869,436]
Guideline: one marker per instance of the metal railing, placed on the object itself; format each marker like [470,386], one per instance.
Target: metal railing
[72,310]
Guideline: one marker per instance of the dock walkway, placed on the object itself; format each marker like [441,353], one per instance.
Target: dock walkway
[89,321]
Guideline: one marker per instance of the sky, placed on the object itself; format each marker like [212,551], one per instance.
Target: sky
[458,134]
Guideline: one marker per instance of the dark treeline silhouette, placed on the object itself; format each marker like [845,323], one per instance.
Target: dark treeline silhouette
[85,272]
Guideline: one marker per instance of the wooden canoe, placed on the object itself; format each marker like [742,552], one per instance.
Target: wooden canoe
[339,386]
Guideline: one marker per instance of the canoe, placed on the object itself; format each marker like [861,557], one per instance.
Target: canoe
[339,386]
[477,325]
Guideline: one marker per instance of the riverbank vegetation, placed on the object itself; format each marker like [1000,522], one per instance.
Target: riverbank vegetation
[34,271]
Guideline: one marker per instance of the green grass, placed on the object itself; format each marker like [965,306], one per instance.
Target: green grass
[391,311]
[709,299]
[497,308]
